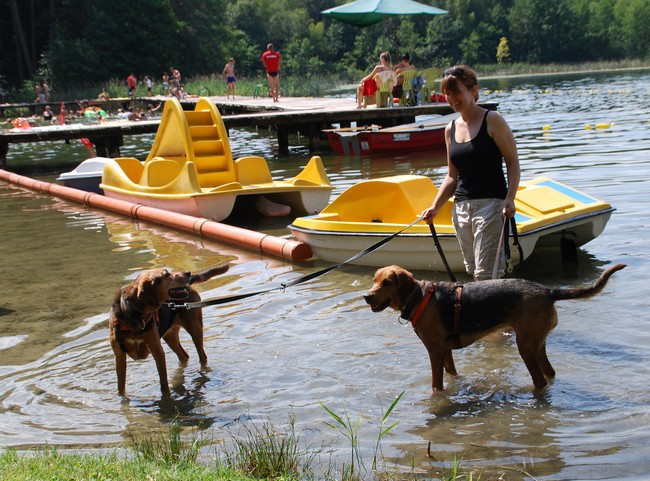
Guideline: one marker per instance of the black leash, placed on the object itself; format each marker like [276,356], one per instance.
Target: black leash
[441,252]
[515,238]
[299,280]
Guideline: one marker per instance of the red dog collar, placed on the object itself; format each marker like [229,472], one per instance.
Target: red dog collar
[423,304]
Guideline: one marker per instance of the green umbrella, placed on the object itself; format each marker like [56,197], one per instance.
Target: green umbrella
[368,12]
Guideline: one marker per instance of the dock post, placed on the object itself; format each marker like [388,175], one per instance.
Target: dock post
[4,149]
[283,141]
[314,137]
[108,146]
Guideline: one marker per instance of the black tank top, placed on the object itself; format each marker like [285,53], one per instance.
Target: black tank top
[480,166]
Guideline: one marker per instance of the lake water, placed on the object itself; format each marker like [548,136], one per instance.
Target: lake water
[276,356]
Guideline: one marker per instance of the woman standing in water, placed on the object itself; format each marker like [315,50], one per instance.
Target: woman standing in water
[478,143]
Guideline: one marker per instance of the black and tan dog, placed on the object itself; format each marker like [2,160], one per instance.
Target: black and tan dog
[449,316]
[140,318]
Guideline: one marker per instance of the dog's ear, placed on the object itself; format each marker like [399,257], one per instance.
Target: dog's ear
[404,280]
[148,290]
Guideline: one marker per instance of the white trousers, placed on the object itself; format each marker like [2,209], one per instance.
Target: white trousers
[479,224]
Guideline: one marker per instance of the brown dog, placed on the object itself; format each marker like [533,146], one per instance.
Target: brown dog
[448,316]
[139,318]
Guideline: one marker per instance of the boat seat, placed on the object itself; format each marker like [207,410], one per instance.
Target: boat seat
[544,199]
[251,170]
[298,181]
[160,172]
[131,167]
[228,186]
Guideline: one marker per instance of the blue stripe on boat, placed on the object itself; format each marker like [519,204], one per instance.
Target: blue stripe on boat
[568,192]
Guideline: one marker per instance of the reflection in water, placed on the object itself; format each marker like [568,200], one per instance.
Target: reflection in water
[280,353]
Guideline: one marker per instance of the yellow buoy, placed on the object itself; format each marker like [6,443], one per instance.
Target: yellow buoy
[588,126]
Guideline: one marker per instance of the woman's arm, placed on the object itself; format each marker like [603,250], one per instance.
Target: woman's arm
[448,186]
[499,130]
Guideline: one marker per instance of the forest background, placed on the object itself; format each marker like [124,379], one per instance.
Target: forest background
[72,43]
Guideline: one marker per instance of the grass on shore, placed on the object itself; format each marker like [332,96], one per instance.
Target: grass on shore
[214,84]
[256,453]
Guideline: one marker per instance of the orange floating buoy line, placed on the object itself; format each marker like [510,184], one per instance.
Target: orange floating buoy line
[248,239]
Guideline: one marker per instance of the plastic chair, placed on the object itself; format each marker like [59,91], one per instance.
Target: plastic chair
[429,76]
[385,80]
[407,85]
[260,88]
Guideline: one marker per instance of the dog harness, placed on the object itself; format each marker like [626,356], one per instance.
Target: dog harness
[458,307]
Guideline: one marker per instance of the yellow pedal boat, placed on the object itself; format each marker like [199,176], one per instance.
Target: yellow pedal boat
[547,212]
[190,170]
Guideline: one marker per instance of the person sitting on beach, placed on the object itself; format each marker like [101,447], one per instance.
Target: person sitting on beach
[367,87]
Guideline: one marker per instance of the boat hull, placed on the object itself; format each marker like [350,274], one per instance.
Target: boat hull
[549,213]
[86,176]
[190,170]
[219,206]
[408,137]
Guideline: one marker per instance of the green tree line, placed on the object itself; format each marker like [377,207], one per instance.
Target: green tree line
[77,42]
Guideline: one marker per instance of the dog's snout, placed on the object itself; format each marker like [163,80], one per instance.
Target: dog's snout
[367,298]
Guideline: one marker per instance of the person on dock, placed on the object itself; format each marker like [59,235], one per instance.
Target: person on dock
[40,96]
[271,60]
[229,73]
[48,115]
[149,84]
[175,79]
[132,82]
[104,95]
[165,84]
[403,65]
[478,142]
[367,87]
[46,91]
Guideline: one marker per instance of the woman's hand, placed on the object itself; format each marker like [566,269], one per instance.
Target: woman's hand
[428,215]
[509,208]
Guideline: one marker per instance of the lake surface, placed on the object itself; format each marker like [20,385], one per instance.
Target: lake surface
[276,356]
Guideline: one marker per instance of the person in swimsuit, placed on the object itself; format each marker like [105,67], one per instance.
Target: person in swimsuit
[478,143]
[271,60]
[229,72]
[367,87]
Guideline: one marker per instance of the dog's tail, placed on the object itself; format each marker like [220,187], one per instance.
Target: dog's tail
[584,292]
[209,273]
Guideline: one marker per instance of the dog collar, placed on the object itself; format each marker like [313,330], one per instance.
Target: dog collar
[423,303]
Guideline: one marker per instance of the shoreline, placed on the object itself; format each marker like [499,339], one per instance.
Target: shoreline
[350,87]
[567,72]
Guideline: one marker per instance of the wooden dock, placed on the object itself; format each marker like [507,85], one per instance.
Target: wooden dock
[292,115]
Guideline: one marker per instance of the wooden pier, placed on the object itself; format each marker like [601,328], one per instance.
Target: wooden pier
[292,115]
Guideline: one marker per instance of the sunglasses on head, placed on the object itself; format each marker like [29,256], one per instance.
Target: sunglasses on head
[454,72]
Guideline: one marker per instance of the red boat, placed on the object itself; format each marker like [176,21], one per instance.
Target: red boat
[368,140]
